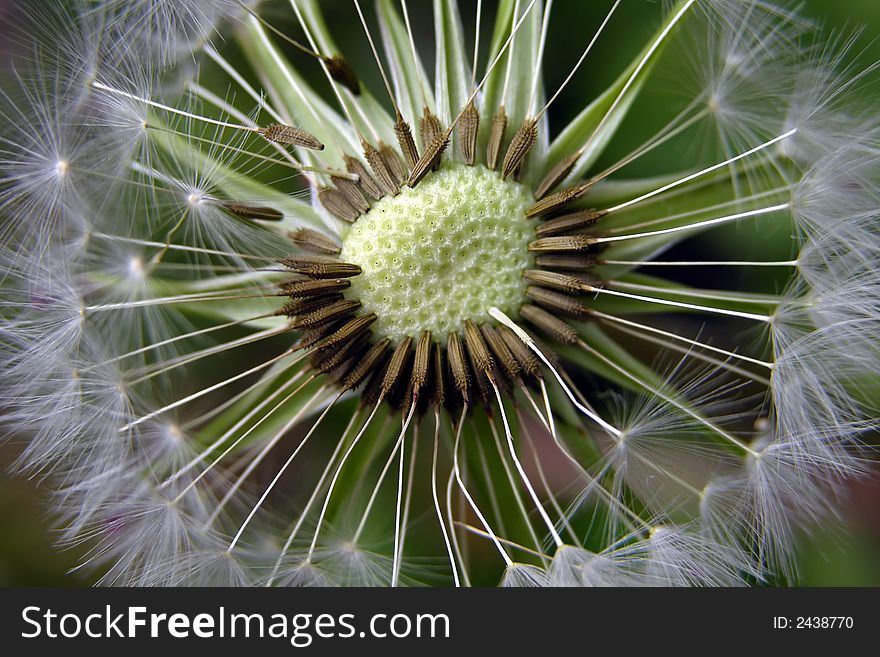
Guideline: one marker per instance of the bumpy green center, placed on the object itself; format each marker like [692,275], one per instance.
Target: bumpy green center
[442,253]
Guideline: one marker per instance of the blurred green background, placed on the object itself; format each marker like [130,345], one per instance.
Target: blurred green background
[845,554]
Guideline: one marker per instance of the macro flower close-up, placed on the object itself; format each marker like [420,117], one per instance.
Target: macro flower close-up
[450,293]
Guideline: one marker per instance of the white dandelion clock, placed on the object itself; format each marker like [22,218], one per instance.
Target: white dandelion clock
[263,325]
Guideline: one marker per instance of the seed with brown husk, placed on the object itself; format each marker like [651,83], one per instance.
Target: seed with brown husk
[365,180]
[558,303]
[509,365]
[421,363]
[519,148]
[285,134]
[317,267]
[370,362]
[458,367]
[558,200]
[556,280]
[380,169]
[430,127]
[307,304]
[253,212]
[482,382]
[314,288]
[312,240]
[438,378]
[523,355]
[396,366]
[352,193]
[429,159]
[556,175]
[549,324]
[476,346]
[570,222]
[571,262]
[316,335]
[329,360]
[331,313]
[394,164]
[405,140]
[563,243]
[496,138]
[348,331]
[336,203]
[341,72]
[468,127]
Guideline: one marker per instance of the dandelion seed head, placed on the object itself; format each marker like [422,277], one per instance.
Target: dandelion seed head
[523,576]
[136,268]
[411,335]
[166,29]
[576,567]
[442,253]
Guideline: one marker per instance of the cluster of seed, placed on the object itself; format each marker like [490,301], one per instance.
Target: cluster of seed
[401,304]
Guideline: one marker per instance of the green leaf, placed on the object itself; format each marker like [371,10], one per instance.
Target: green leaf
[697,199]
[235,184]
[276,377]
[668,290]
[240,306]
[370,117]
[522,58]
[408,74]
[595,126]
[593,335]
[611,357]
[610,192]
[453,78]
[296,100]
